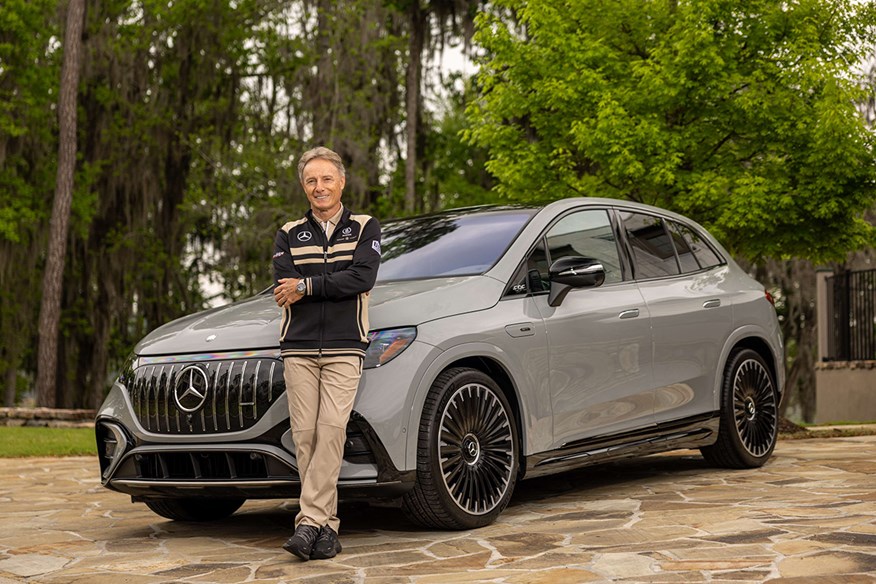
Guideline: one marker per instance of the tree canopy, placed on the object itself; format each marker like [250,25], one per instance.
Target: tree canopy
[192,114]
[738,113]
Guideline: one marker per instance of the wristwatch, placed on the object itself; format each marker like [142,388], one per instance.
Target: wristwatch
[301,287]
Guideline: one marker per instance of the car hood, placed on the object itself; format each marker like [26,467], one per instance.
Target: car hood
[254,323]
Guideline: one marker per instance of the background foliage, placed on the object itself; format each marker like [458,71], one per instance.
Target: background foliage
[746,116]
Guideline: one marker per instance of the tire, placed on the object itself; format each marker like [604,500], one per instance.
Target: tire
[467,453]
[749,414]
[199,509]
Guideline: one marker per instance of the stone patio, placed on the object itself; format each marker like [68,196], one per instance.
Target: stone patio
[808,516]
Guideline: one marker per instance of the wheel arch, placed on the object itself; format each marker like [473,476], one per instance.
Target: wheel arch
[762,348]
[765,345]
[488,365]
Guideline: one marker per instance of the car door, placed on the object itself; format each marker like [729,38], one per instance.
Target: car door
[599,339]
[691,312]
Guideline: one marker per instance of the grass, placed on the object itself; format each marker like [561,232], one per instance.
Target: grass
[22,441]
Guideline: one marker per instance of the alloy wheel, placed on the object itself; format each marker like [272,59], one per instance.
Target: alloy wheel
[475,448]
[754,407]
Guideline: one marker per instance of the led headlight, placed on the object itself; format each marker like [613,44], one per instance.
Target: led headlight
[387,344]
[126,375]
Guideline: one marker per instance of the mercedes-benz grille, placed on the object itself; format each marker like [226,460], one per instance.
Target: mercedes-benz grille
[205,397]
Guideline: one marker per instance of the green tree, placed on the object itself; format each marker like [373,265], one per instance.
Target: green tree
[29,76]
[739,114]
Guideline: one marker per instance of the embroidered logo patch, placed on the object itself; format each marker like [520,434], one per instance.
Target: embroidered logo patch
[305,236]
[278,254]
[375,245]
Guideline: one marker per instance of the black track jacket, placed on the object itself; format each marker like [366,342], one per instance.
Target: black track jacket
[332,318]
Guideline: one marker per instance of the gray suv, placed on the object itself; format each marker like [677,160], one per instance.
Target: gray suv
[506,343]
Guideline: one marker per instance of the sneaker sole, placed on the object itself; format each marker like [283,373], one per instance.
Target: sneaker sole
[296,552]
[319,556]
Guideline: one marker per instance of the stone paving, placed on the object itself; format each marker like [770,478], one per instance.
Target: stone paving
[808,516]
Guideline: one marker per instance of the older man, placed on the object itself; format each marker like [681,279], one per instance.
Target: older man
[325,263]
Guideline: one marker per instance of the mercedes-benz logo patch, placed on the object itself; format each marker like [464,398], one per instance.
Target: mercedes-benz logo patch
[190,391]
[305,236]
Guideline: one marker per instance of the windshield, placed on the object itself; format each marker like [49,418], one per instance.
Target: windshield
[456,243]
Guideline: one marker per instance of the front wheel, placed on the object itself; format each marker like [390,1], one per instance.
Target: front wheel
[749,414]
[467,453]
[192,509]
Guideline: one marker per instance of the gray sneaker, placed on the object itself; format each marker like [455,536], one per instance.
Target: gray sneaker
[301,542]
[327,544]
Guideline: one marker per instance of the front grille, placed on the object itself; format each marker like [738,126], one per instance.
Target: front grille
[238,392]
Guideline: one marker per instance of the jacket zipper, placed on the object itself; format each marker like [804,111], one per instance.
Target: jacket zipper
[325,243]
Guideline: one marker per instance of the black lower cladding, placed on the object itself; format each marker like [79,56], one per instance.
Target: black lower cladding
[692,432]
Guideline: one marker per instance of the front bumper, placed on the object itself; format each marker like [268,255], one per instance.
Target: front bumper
[260,468]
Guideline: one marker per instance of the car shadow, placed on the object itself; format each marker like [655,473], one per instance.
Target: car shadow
[272,520]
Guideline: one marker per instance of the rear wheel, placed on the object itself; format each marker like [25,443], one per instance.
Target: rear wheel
[467,454]
[749,414]
[192,509]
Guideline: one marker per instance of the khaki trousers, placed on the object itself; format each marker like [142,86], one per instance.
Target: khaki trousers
[321,391]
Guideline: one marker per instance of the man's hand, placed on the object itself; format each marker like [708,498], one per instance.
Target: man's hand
[285,293]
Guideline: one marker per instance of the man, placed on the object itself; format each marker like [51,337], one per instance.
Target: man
[324,264]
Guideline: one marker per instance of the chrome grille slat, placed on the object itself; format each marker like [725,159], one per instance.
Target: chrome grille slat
[152,388]
[271,383]
[167,388]
[228,394]
[240,402]
[149,385]
[255,391]
[213,400]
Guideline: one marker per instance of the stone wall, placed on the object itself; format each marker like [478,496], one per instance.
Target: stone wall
[845,391]
[52,417]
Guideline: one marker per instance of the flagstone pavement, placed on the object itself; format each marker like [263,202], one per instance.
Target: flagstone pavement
[808,516]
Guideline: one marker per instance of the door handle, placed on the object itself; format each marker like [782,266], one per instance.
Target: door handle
[713,303]
[632,313]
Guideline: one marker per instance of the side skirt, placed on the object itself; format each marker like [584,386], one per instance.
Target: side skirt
[691,432]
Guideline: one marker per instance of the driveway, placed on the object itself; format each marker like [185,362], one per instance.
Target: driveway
[808,516]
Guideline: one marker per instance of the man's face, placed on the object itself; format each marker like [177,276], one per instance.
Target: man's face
[323,185]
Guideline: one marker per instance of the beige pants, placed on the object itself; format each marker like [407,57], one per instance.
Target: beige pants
[321,391]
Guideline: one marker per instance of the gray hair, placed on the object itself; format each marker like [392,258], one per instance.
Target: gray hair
[324,153]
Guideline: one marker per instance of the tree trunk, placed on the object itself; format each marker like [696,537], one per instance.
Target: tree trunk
[11,379]
[412,102]
[50,307]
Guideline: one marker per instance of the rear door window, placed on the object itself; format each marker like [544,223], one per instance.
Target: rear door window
[704,254]
[652,248]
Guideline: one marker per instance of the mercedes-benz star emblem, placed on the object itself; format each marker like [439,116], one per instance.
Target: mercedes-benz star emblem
[190,391]
[304,236]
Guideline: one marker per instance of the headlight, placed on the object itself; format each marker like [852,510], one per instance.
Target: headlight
[387,344]
[126,375]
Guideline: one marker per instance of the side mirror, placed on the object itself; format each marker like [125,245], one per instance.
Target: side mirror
[573,272]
